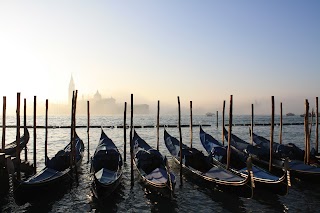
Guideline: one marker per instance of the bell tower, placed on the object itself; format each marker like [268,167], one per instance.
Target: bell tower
[71,89]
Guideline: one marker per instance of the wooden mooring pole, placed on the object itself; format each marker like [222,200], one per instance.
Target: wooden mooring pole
[191,132]
[4,110]
[46,134]
[223,112]
[280,135]
[125,132]
[306,131]
[131,141]
[158,122]
[24,128]
[317,125]
[18,137]
[180,143]
[271,133]
[252,118]
[229,133]
[217,120]
[35,134]
[74,134]
[88,129]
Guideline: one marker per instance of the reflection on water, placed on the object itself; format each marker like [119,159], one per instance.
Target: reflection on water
[191,197]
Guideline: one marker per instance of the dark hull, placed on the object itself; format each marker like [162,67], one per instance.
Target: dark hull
[49,183]
[160,189]
[11,148]
[4,182]
[41,191]
[279,187]
[101,190]
[104,160]
[242,189]
[277,168]
[262,179]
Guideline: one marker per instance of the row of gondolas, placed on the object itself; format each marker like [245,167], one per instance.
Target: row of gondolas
[247,167]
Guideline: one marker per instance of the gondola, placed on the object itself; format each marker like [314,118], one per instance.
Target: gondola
[260,152]
[11,148]
[153,167]
[262,178]
[201,168]
[289,150]
[106,167]
[52,178]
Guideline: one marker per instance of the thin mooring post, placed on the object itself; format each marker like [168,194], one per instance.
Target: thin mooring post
[46,134]
[35,134]
[252,117]
[24,127]
[280,135]
[131,142]
[271,133]
[217,120]
[4,110]
[191,133]
[317,124]
[74,134]
[229,134]
[306,131]
[309,136]
[88,128]
[158,121]
[125,132]
[180,143]
[18,137]
[223,112]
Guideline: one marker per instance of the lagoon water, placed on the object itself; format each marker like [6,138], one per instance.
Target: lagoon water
[190,197]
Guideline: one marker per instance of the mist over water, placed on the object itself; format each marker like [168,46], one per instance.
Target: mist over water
[191,197]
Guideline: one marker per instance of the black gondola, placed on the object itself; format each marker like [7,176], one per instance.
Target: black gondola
[201,167]
[262,178]
[11,148]
[106,167]
[298,169]
[152,167]
[289,150]
[53,177]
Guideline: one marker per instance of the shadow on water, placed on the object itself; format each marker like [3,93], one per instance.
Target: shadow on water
[45,202]
[109,203]
[225,200]
[161,203]
[268,200]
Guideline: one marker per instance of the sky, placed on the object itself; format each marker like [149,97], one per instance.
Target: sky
[202,51]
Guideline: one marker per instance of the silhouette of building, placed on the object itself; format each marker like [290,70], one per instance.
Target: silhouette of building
[98,104]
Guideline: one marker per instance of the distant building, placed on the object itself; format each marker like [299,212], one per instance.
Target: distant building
[98,105]
[102,106]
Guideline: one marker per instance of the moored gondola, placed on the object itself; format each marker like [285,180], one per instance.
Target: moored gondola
[262,178]
[106,167]
[153,167]
[298,169]
[51,178]
[201,167]
[11,148]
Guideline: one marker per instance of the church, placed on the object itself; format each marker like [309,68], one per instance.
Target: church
[100,105]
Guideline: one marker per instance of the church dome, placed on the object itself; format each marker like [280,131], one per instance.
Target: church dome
[97,96]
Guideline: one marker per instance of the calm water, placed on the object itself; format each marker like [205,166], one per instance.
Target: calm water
[302,196]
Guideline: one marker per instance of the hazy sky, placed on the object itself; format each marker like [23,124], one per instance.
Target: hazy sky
[202,51]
